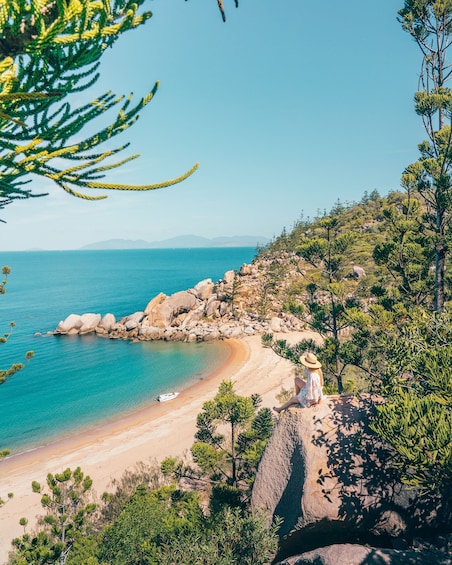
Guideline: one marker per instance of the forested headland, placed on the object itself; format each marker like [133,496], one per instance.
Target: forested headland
[363,277]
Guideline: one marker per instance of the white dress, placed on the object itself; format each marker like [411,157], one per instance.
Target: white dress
[312,392]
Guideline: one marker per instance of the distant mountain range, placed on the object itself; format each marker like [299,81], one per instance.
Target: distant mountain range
[181,241]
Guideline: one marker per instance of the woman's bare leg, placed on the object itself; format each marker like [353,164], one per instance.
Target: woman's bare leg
[290,402]
[299,384]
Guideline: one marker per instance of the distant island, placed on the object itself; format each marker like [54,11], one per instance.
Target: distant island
[181,241]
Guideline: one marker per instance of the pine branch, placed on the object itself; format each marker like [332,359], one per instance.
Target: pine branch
[48,51]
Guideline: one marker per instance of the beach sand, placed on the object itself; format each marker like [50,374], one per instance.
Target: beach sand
[159,431]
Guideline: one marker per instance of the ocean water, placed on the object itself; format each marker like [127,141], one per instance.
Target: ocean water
[75,383]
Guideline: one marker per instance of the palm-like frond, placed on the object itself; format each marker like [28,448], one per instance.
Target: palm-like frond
[48,51]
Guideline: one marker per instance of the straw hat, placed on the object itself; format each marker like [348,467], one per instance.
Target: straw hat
[310,360]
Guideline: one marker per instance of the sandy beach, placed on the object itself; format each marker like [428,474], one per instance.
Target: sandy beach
[156,432]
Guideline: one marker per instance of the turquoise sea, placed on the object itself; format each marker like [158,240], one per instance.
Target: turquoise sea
[79,382]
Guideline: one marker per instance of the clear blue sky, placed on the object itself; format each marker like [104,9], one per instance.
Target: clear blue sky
[288,106]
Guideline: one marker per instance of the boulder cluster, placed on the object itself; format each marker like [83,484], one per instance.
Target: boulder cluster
[330,482]
[208,311]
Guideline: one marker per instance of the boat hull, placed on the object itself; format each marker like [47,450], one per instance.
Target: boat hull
[167,396]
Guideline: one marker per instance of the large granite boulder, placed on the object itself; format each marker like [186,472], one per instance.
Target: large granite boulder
[247,269]
[193,317]
[154,303]
[330,480]
[229,277]
[213,307]
[203,290]
[107,322]
[89,323]
[70,323]
[132,321]
[353,554]
[163,311]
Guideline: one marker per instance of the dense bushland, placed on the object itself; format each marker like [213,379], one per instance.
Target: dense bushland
[363,277]
[180,512]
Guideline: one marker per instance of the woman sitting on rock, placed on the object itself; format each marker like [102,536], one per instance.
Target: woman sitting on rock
[309,392]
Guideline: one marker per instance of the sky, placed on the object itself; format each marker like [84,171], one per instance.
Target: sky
[288,107]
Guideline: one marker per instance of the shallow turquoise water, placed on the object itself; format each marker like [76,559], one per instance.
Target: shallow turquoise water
[78,382]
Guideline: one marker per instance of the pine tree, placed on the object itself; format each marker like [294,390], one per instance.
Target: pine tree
[416,418]
[68,515]
[406,254]
[231,437]
[429,22]
[331,294]
[48,51]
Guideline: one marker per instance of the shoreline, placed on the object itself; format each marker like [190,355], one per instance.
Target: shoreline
[118,424]
[149,435]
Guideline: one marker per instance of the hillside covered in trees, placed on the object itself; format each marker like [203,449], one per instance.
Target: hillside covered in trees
[363,277]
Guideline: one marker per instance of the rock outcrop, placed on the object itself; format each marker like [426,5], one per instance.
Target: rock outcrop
[206,312]
[329,479]
[353,554]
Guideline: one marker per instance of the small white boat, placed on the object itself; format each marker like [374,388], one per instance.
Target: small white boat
[167,396]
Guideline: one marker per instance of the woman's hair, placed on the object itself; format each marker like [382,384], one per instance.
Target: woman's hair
[318,371]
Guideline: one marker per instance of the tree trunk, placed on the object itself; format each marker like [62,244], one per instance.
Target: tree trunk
[234,463]
[440,267]
[336,338]
[340,386]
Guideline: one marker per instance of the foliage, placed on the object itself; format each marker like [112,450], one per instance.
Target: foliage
[148,520]
[416,419]
[331,293]
[406,254]
[429,22]
[84,551]
[67,519]
[389,239]
[231,437]
[113,502]
[231,458]
[392,338]
[149,525]
[419,428]
[229,538]
[320,284]
[168,526]
[5,272]
[50,51]
[267,339]
[272,274]
[4,453]
[232,293]
[5,374]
